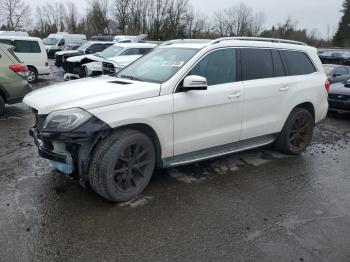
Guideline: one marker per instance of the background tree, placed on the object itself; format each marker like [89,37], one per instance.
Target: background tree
[15,14]
[342,37]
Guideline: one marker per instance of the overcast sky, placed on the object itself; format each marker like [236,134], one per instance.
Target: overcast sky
[310,13]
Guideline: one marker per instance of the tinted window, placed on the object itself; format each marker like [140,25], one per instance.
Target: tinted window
[136,51]
[24,46]
[95,48]
[342,71]
[144,50]
[131,51]
[298,63]
[6,42]
[218,67]
[278,66]
[256,63]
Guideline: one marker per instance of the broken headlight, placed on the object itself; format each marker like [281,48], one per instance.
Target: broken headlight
[66,120]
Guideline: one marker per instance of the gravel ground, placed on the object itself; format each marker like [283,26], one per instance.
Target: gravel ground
[256,206]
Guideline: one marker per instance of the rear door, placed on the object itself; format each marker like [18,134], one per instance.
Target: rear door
[29,52]
[265,90]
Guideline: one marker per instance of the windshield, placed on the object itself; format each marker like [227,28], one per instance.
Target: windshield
[159,65]
[50,41]
[110,52]
[84,46]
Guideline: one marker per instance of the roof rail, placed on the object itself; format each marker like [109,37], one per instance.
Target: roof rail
[263,39]
[185,41]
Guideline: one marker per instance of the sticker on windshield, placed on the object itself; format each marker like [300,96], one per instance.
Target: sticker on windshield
[173,63]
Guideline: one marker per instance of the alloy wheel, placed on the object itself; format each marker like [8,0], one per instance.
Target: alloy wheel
[300,133]
[131,167]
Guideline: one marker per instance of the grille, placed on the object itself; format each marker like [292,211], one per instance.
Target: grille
[338,97]
[58,61]
[108,68]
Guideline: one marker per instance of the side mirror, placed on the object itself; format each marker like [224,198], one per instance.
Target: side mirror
[337,74]
[194,82]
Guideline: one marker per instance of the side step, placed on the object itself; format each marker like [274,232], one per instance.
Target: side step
[218,151]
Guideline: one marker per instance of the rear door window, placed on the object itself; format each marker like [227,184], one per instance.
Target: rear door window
[25,46]
[256,63]
[218,67]
[278,66]
[298,63]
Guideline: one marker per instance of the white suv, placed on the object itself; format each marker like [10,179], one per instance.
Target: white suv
[183,102]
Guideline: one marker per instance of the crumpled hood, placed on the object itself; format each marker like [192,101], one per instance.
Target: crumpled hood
[339,89]
[89,93]
[66,52]
[124,60]
[81,57]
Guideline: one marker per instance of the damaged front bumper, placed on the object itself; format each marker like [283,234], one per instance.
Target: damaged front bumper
[69,152]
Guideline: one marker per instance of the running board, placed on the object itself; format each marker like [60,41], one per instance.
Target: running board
[218,151]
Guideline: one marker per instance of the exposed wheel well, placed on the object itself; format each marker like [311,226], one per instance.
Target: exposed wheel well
[307,106]
[149,131]
[30,66]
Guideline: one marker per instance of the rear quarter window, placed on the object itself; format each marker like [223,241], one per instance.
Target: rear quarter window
[25,46]
[298,63]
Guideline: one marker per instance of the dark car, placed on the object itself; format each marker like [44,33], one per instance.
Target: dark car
[337,73]
[90,47]
[102,38]
[339,97]
[338,57]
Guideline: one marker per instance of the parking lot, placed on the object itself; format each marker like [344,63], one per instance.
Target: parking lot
[255,206]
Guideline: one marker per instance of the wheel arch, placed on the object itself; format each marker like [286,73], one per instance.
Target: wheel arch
[307,106]
[32,66]
[150,132]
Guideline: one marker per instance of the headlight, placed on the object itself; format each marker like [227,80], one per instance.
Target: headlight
[66,120]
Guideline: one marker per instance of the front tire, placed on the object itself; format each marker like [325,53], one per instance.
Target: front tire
[122,165]
[297,132]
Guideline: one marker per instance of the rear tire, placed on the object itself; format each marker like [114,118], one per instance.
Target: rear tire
[297,132]
[32,74]
[2,106]
[122,165]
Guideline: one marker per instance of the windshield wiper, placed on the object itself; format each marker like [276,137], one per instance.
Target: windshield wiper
[131,78]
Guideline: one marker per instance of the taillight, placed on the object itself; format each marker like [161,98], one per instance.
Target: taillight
[19,69]
[327,85]
[46,64]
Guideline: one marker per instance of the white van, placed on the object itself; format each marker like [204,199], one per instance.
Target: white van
[31,51]
[13,33]
[57,42]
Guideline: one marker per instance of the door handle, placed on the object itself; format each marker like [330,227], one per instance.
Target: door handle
[284,88]
[235,95]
